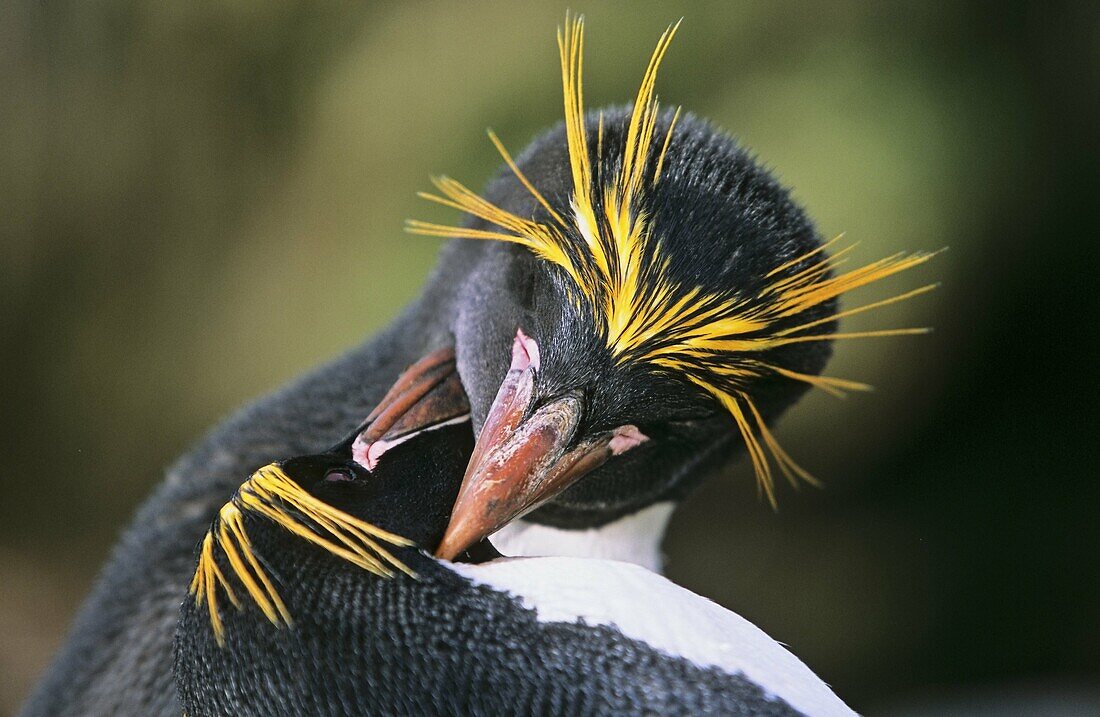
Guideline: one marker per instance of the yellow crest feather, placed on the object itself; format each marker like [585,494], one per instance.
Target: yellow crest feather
[270,493]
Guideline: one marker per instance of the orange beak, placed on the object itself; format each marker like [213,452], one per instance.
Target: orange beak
[523,458]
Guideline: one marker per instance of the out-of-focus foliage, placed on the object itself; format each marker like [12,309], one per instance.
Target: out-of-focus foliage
[200,200]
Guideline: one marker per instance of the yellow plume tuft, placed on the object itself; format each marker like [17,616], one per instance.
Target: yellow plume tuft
[270,493]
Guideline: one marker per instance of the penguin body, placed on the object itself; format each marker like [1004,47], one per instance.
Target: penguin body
[507,636]
[513,636]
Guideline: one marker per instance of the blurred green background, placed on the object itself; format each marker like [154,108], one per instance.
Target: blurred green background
[200,200]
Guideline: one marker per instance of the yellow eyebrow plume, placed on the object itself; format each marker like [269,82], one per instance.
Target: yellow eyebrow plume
[272,494]
[602,242]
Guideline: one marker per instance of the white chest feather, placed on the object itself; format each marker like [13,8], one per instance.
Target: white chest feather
[633,539]
[649,608]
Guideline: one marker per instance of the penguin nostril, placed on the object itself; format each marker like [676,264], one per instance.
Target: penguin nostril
[336,476]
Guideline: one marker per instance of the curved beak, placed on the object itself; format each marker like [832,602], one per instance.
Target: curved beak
[426,396]
[522,457]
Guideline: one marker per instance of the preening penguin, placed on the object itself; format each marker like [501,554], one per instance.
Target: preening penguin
[630,306]
[671,302]
[311,596]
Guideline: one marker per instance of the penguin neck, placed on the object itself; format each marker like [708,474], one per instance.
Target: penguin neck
[635,538]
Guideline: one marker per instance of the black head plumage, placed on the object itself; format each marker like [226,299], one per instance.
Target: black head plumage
[327,503]
[668,286]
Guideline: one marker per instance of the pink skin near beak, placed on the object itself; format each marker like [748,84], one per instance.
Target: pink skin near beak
[520,461]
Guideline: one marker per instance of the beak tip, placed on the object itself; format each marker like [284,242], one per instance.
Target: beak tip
[448,548]
[458,536]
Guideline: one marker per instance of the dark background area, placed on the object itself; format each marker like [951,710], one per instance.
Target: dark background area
[199,201]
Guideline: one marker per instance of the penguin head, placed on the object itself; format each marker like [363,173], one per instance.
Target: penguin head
[409,492]
[328,506]
[645,300]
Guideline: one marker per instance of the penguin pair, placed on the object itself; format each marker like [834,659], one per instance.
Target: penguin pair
[315,594]
[631,306]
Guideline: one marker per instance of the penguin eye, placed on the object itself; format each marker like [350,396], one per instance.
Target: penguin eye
[690,427]
[689,420]
[336,476]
